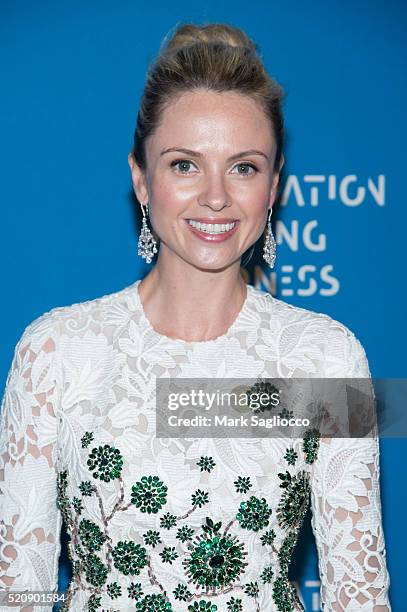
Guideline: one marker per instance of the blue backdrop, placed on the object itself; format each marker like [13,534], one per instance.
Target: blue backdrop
[72,73]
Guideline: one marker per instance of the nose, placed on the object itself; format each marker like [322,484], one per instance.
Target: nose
[214,194]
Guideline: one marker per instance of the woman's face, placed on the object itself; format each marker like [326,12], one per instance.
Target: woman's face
[224,175]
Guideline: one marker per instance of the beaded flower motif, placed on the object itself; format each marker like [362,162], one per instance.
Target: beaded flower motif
[214,560]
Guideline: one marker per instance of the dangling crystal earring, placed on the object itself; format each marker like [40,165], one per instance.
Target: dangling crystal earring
[147,245]
[269,249]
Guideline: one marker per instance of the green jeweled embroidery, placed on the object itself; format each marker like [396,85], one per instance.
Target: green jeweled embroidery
[95,570]
[185,533]
[129,557]
[105,462]
[215,560]
[202,606]
[243,484]
[91,536]
[268,537]
[285,596]
[251,589]
[86,488]
[286,414]
[267,574]
[291,456]
[62,501]
[149,494]
[258,389]
[79,551]
[234,605]
[286,550]
[294,501]
[169,554]
[94,603]
[76,568]
[168,520]
[181,592]
[210,527]
[134,590]
[206,464]
[152,538]
[200,498]
[154,603]
[77,504]
[254,514]
[86,439]
[311,444]
[114,590]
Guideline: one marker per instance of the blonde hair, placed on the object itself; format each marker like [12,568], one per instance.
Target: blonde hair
[217,57]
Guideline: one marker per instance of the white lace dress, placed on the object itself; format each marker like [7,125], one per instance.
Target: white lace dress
[185,525]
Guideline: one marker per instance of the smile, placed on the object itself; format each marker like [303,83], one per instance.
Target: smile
[212,228]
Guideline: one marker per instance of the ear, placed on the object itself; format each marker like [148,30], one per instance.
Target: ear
[138,180]
[275,181]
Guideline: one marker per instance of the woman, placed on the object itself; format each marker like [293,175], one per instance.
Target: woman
[187,524]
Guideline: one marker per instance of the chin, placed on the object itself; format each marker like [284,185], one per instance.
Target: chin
[211,266]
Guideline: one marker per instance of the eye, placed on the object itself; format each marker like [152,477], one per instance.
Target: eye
[183,163]
[247,165]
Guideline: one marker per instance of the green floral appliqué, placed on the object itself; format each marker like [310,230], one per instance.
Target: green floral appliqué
[291,456]
[311,442]
[86,488]
[129,557]
[206,464]
[200,498]
[185,533]
[135,590]
[181,592]
[251,589]
[243,484]
[105,462]
[95,570]
[254,514]
[215,559]
[234,605]
[169,554]
[295,499]
[285,596]
[91,535]
[152,538]
[149,494]
[268,537]
[87,439]
[203,606]
[212,558]
[154,603]
[168,521]
[114,590]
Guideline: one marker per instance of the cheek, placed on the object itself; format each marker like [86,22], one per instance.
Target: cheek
[254,208]
[168,206]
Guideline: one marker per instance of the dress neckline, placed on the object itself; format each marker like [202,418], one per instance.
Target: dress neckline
[182,342]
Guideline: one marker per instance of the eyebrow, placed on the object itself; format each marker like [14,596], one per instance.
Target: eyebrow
[192,153]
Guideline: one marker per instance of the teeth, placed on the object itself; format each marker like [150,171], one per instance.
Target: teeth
[212,228]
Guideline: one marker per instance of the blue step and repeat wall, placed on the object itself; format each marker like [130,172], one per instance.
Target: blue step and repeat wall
[72,73]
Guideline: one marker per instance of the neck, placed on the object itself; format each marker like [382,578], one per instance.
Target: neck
[197,306]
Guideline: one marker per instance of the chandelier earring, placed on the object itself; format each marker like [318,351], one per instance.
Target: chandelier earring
[147,244]
[269,249]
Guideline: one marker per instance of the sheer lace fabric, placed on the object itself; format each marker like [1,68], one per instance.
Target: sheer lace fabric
[83,377]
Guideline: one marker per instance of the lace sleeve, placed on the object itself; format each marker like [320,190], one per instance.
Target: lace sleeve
[30,521]
[346,503]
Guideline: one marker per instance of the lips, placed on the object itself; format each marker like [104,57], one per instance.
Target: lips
[209,220]
[215,237]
